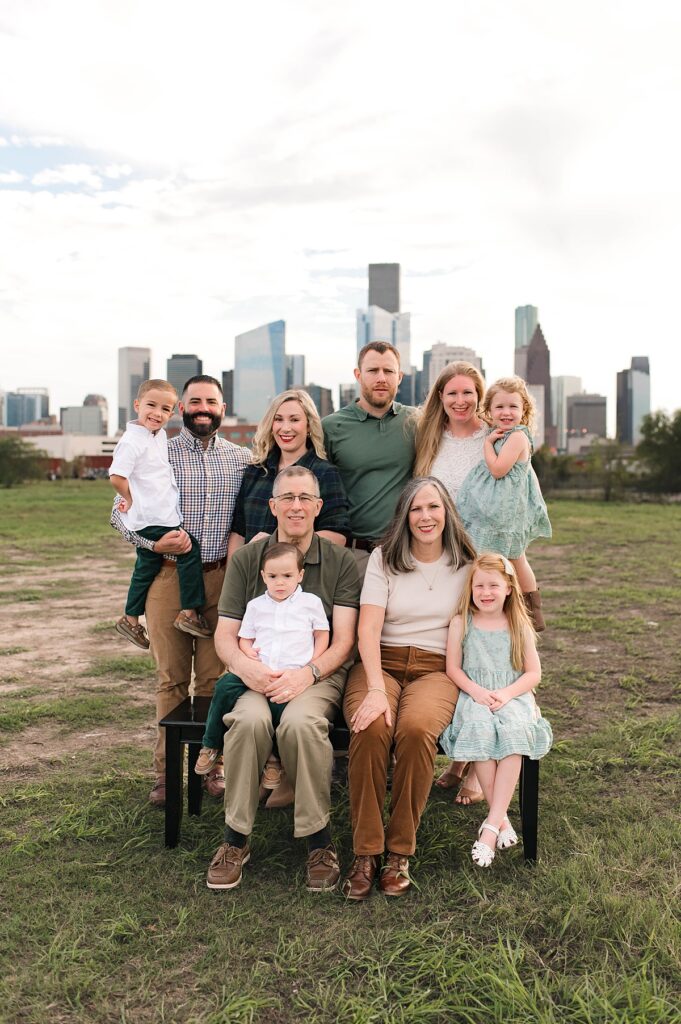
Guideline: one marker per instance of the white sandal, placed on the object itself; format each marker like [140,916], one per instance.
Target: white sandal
[507,837]
[482,854]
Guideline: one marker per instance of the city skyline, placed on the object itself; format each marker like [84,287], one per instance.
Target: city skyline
[178,215]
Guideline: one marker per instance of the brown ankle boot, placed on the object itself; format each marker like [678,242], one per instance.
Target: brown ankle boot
[533,605]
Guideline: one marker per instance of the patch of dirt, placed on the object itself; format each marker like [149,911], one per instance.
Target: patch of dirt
[45,744]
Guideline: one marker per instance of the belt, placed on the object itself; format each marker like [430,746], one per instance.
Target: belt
[205,566]
[362,544]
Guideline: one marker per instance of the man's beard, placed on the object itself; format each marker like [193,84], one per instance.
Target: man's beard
[375,402]
[201,429]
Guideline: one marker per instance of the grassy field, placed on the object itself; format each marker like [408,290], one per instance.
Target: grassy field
[100,923]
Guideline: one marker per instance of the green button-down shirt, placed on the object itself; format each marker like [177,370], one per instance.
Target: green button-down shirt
[375,458]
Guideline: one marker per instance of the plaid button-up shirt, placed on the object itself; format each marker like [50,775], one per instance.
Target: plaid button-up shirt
[208,480]
[252,513]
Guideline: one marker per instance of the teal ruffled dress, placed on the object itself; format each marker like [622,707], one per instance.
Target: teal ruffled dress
[478,734]
[503,515]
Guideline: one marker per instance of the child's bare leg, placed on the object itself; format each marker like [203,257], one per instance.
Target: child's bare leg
[132,619]
[523,570]
[487,772]
[505,782]
[191,613]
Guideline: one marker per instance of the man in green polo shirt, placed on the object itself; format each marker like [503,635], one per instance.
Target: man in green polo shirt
[312,694]
[371,442]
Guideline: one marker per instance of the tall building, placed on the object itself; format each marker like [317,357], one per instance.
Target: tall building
[533,363]
[102,404]
[82,419]
[440,355]
[633,399]
[179,368]
[384,287]
[537,394]
[26,405]
[376,324]
[228,391]
[321,398]
[382,320]
[295,372]
[586,414]
[561,389]
[347,393]
[133,368]
[259,369]
[526,322]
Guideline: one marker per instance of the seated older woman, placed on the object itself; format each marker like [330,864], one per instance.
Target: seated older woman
[399,695]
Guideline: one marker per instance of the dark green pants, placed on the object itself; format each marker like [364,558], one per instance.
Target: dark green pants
[148,566]
[227,691]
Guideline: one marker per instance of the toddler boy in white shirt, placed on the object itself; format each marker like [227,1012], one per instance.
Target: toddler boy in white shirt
[150,506]
[284,628]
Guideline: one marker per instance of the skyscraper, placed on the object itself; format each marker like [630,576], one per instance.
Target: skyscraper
[295,372]
[526,320]
[376,324]
[561,389]
[259,369]
[586,414]
[384,287]
[101,402]
[440,355]
[228,391]
[633,399]
[321,397]
[133,368]
[533,362]
[179,368]
[26,405]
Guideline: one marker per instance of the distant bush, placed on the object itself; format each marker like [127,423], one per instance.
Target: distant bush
[20,461]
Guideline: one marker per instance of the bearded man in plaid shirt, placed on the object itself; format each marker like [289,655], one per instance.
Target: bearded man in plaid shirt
[208,470]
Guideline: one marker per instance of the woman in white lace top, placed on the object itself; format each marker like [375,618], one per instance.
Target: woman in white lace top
[449,442]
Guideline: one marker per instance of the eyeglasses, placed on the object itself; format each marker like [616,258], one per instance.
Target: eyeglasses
[288,499]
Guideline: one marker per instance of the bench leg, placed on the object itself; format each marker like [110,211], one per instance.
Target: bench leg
[173,785]
[194,781]
[529,806]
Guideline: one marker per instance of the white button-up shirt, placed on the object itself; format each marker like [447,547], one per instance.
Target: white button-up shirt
[283,630]
[142,458]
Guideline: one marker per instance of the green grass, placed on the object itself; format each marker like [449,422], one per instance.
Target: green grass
[100,923]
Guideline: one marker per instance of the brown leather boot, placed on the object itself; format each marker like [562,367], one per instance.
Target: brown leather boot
[533,604]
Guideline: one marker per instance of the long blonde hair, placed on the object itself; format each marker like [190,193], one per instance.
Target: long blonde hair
[432,418]
[512,386]
[263,442]
[514,605]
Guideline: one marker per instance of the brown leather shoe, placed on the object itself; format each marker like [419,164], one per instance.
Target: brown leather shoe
[157,796]
[214,782]
[360,877]
[226,866]
[322,870]
[395,880]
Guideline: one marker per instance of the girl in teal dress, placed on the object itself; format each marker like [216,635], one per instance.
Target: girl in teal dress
[500,501]
[492,658]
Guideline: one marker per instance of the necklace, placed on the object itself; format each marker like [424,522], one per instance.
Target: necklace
[429,583]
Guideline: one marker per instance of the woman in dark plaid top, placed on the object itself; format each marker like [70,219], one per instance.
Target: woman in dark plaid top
[290,433]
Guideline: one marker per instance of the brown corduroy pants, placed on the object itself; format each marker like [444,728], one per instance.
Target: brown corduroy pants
[422,700]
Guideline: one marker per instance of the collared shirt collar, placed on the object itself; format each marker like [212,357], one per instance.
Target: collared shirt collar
[362,414]
[292,597]
[194,442]
[312,555]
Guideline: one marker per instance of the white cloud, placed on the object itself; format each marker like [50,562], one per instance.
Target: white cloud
[11,177]
[524,149]
[68,174]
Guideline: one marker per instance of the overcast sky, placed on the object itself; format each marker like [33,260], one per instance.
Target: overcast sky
[173,174]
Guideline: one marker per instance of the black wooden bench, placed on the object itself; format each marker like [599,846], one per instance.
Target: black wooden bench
[186,723]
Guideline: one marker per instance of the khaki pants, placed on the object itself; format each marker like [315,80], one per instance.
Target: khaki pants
[422,700]
[173,651]
[304,747]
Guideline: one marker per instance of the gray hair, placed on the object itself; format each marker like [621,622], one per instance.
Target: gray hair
[293,471]
[396,543]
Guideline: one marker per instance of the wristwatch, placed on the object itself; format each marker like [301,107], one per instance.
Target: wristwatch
[315,672]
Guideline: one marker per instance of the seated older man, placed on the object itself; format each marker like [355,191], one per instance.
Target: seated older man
[312,694]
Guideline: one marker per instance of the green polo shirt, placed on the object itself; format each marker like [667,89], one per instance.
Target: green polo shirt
[375,458]
[330,573]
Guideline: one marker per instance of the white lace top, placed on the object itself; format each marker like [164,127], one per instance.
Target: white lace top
[456,458]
